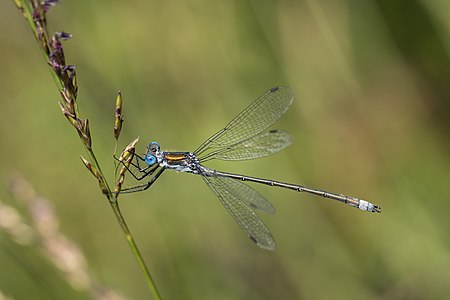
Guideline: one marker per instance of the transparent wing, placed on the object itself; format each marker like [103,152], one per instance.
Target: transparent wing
[238,200]
[256,118]
[244,193]
[261,145]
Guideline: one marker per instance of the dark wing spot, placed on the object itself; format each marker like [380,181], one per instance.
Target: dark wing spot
[273,131]
[252,205]
[253,239]
[274,89]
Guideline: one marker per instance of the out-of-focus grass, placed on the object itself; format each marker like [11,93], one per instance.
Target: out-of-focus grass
[370,119]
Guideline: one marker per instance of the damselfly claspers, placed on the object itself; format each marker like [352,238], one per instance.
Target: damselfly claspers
[245,137]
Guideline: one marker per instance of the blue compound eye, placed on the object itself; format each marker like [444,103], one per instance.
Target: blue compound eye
[154,147]
[150,159]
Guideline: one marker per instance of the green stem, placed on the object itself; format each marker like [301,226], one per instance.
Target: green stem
[135,249]
[112,198]
[97,165]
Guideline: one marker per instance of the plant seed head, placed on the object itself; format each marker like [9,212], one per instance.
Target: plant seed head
[118,116]
[87,134]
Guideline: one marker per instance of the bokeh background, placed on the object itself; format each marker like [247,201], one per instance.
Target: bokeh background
[370,119]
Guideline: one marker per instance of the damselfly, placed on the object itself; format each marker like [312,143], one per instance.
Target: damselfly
[245,137]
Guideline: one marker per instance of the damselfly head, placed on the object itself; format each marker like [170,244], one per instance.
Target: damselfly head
[150,159]
[152,152]
[153,147]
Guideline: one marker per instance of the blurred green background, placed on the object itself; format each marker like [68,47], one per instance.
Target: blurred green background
[370,119]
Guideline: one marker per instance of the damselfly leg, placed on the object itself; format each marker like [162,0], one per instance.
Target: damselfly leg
[135,168]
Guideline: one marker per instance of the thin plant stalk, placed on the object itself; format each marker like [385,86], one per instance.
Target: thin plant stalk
[134,248]
[64,76]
